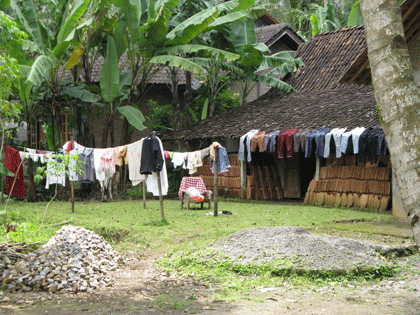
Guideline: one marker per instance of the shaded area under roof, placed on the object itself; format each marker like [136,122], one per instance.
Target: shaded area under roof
[269,35]
[345,106]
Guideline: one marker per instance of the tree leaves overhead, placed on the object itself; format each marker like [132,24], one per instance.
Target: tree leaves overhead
[355,16]
[209,63]
[134,116]
[5,171]
[243,33]
[110,74]
[176,61]
[40,69]
[30,22]
[228,18]
[79,92]
[273,82]
[186,31]
[193,48]
[66,32]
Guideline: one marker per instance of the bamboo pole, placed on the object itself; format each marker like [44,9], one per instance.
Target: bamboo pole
[216,184]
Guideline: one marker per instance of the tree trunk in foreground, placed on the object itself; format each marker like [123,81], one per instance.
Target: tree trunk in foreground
[397,97]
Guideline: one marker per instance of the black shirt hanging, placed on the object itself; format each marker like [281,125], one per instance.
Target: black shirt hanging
[151,156]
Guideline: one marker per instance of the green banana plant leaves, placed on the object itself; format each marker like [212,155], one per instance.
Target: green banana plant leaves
[273,82]
[110,74]
[355,16]
[5,171]
[79,92]
[243,33]
[189,29]
[40,69]
[193,48]
[66,32]
[4,4]
[134,116]
[31,23]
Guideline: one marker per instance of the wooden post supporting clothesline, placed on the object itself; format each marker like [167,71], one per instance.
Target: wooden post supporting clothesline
[216,183]
[144,193]
[160,188]
[72,182]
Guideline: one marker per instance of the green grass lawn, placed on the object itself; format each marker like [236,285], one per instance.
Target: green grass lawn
[182,239]
[128,226]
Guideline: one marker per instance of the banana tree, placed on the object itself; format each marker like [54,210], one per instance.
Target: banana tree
[255,58]
[216,36]
[52,44]
[150,45]
[114,88]
[324,20]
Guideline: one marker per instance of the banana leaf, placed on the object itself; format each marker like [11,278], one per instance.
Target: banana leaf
[134,116]
[110,75]
[5,171]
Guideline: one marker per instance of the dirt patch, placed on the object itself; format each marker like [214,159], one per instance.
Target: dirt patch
[141,288]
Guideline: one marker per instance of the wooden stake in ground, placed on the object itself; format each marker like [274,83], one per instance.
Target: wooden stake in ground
[216,183]
[144,193]
[160,196]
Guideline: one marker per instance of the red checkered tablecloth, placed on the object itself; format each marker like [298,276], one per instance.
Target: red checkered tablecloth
[188,182]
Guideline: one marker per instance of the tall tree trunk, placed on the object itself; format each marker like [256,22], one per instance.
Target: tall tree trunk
[176,106]
[105,131]
[188,98]
[397,97]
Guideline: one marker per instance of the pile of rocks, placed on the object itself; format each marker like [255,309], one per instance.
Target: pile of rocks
[74,260]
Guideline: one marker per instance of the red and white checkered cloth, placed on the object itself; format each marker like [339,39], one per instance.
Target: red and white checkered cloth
[187,182]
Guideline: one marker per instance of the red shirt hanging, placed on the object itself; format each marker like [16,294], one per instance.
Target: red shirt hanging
[285,139]
[13,163]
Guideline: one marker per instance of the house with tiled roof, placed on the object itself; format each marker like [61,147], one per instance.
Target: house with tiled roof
[333,91]
[277,36]
[321,101]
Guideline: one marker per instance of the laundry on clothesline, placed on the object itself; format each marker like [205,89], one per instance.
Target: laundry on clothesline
[191,161]
[367,143]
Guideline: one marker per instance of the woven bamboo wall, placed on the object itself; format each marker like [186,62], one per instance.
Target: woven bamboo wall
[351,186]
[229,182]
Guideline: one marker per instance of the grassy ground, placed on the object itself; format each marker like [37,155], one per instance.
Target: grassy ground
[128,226]
[131,228]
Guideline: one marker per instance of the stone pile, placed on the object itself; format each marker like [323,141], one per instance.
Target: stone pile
[74,260]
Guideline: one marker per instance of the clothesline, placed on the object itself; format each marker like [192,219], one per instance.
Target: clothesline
[99,164]
[193,160]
